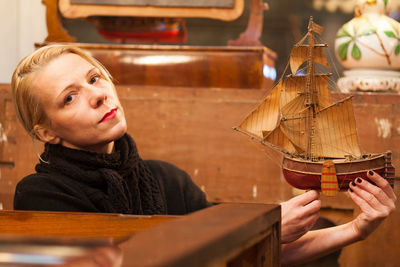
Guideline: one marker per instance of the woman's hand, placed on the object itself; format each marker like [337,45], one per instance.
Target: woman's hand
[375,201]
[299,215]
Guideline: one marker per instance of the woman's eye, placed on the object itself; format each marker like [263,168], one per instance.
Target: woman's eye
[94,79]
[68,99]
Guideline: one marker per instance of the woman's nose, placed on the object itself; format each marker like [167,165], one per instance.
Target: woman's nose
[97,97]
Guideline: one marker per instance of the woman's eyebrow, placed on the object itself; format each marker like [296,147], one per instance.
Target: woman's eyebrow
[72,84]
[65,89]
[94,69]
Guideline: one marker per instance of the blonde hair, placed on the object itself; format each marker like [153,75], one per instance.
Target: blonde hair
[27,106]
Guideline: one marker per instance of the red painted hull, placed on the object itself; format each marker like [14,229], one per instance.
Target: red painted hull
[305,174]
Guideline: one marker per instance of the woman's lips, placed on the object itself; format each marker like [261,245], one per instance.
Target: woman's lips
[109,116]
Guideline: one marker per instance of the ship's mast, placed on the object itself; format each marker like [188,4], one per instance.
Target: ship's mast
[311,95]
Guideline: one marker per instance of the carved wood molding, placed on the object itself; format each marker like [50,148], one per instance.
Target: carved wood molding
[55,29]
[251,36]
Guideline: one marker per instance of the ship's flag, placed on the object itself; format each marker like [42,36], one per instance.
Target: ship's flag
[329,183]
[315,27]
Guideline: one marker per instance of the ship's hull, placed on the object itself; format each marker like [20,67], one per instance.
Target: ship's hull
[306,174]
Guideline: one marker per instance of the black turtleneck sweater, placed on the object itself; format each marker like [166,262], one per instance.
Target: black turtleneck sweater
[120,182]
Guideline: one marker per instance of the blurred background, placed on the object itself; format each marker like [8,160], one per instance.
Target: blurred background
[23,24]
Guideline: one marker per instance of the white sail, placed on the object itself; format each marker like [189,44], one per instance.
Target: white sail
[278,139]
[264,119]
[295,85]
[298,57]
[337,132]
[293,123]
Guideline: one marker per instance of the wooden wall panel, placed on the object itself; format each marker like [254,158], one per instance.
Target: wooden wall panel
[192,128]
[17,156]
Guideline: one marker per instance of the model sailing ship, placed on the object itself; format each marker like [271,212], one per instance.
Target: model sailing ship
[318,138]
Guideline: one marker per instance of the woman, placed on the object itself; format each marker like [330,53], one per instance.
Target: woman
[66,99]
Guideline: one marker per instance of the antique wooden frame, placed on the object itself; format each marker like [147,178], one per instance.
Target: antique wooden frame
[57,8]
[70,10]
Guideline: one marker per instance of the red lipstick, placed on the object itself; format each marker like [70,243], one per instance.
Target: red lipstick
[109,115]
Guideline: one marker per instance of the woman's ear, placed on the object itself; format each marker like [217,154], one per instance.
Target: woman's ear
[46,135]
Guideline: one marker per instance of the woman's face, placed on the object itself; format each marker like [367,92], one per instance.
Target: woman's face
[83,108]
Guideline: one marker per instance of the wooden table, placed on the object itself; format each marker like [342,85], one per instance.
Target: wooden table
[222,235]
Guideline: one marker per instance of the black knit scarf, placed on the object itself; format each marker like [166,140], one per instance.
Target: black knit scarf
[120,182]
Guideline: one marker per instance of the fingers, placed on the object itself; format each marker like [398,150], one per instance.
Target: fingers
[309,213]
[364,206]
[305,204]
[371,199]
[375,191]
[365,200]
[310,220]
[299,215]
[382,183]
[312,207]
[296,224]
[306,198]
[376,201]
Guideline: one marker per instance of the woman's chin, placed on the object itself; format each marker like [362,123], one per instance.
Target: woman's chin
[118,130]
